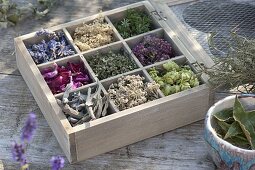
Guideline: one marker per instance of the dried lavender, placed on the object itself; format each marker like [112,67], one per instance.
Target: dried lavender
[83,107]
[57,163]
[111,64]
[93,35]
[153,49]
[18,153]
[18,150]
[56,47]
[130,91]
[29,128]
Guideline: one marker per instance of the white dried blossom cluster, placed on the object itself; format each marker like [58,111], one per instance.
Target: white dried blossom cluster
[130,91]
[93,35]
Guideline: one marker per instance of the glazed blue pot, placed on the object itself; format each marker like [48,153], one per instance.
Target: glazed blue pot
[224,154]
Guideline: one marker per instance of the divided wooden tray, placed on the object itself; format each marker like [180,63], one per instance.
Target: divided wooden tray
[122,127]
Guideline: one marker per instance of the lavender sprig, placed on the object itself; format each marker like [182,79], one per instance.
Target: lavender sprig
[29,128]
[18,153]
[57,162]
[56,47]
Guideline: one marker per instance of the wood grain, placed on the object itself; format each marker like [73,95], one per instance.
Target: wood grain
[183,148]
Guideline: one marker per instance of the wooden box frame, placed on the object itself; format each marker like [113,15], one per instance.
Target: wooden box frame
[131,125]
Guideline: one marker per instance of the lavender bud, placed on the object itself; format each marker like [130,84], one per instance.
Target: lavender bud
[57,162]
[18,153]
[29,128]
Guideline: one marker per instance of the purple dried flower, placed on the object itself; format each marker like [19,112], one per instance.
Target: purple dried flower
[18,153]
[45,32]
[56,47]
[152,50]
[57,162]
[29,128]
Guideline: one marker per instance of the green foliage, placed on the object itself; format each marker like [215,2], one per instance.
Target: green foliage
[237,67]
[236,125]
[11,13]
[135,22]
[111,64]
[173,78]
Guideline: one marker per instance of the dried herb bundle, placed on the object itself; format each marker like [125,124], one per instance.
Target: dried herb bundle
[237,67]
[11,12]
[153,49]
[93,35]
[111,64]
[236,125]
[130,91]
[173,78]
[135,22]
[80,107]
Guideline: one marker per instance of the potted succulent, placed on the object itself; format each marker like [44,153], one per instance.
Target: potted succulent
[230,132]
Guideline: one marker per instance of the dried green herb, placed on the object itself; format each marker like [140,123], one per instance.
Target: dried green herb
[236,125]
[111,64]
[173,78]
[80,107]
[11,12]
[135,22]
[237,67]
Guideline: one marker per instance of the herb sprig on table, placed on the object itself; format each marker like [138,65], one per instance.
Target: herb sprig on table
[237,68]
[236,125]
[135,22]
[111,64]
[19,150]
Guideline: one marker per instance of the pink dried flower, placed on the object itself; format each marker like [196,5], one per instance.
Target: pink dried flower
[58,77]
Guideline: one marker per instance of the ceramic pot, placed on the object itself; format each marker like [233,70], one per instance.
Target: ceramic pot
[224,154]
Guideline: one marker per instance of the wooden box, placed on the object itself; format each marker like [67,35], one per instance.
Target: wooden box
[129,126]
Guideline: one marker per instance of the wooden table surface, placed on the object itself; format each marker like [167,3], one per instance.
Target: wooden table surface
[183,148]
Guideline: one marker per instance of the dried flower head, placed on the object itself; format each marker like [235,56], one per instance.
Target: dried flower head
[29,128]
[153,49]
[93,35]
[56,47]
[18,153]
[130,91]
[57,162]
